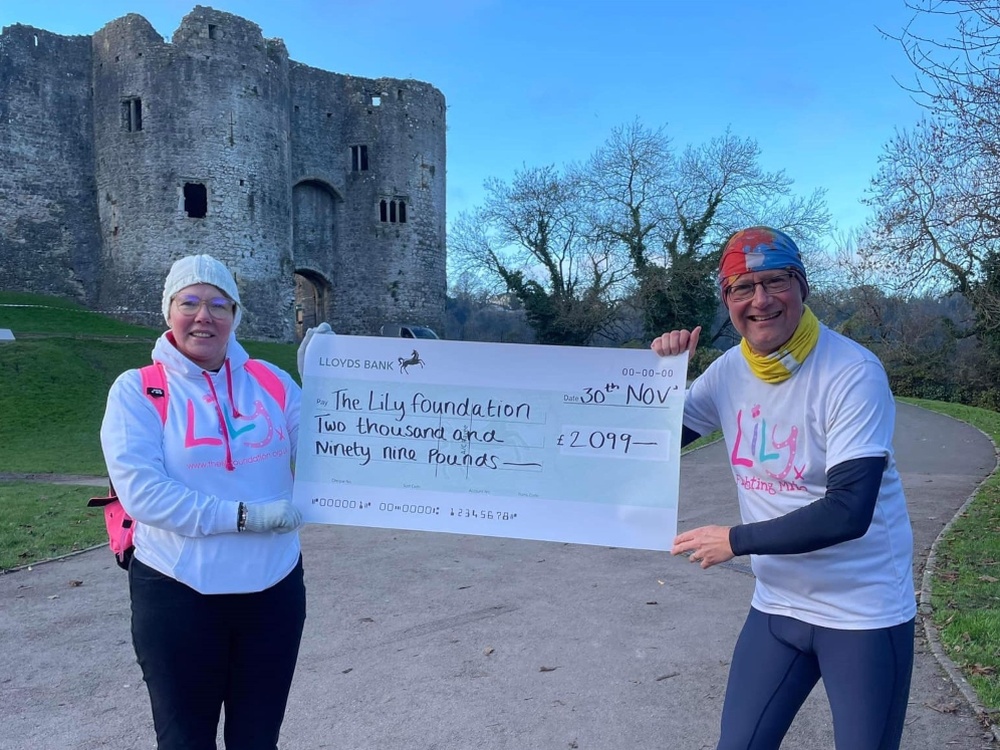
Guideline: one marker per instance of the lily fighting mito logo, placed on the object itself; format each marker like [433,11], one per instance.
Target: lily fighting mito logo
[248,427]
[756,446]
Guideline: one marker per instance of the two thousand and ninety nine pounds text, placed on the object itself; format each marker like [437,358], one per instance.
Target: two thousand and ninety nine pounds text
[516,418]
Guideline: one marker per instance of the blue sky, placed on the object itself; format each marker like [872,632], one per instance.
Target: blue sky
[536,82]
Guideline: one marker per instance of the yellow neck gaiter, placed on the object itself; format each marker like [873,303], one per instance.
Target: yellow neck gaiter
[780,365]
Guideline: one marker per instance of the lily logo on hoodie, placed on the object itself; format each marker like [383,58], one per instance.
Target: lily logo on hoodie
[234,432]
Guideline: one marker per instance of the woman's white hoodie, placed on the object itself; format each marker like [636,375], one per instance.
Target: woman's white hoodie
[226,440]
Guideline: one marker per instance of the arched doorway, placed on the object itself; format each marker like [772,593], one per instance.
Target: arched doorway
[315,218]
[312,301]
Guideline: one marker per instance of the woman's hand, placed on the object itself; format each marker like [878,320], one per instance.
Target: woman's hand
[279,516]
[300,355]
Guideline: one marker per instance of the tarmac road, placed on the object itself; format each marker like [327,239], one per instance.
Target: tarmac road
[419,641]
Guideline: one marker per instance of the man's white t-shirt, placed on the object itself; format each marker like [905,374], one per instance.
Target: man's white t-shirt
[782,439]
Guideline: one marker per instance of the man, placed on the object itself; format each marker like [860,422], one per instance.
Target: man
[808,420]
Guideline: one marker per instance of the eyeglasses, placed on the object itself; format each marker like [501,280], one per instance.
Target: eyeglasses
[219,308]
[746,290]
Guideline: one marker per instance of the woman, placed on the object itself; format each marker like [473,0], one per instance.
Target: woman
[216,583]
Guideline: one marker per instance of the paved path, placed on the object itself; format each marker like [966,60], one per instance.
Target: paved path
[442,642]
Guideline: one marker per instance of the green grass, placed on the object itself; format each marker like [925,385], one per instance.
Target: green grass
[965,590]
[56,376]
[52,401]
[41,521]
[31,314]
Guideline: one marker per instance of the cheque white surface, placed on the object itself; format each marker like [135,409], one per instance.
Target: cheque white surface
[570,444]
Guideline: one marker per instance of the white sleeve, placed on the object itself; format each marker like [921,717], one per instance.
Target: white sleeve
[861,416]
[701,413]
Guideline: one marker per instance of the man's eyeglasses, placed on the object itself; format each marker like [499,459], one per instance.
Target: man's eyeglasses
[745,290]
[219,308]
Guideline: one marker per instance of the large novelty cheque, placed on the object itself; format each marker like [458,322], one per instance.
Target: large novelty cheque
[554,443]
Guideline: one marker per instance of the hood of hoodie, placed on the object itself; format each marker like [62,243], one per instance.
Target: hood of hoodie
[164,351]
[220,384]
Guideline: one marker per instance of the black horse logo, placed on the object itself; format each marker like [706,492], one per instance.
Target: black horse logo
[414,359]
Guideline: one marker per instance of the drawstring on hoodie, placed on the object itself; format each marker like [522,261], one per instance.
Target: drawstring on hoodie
[229,385]
[218,410]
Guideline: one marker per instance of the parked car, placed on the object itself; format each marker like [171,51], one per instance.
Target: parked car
[407,331]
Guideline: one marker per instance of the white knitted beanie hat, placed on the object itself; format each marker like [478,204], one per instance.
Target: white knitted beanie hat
[200,269]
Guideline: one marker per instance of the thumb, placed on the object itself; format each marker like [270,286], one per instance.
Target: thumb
[693,343]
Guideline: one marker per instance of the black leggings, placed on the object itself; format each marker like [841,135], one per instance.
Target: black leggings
[199,652]
[777,662]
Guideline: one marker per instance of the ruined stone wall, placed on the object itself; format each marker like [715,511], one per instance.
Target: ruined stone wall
[49,239]
[125,152]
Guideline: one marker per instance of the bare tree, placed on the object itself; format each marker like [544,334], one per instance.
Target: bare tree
[668,214]
[936,194]
[955,75]
[637,223]
[526,240]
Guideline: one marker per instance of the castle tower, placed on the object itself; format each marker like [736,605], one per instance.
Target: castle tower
[368,199]
[324,193]
[192,156]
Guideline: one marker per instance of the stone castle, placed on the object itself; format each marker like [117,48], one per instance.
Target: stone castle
[120,152]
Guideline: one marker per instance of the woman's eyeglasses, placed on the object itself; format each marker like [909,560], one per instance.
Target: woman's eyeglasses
[219,308]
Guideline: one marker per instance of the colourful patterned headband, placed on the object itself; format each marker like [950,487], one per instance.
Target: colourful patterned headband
[758,249]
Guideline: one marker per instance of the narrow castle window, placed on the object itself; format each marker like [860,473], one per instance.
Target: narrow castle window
[359,158]
[212,31]
[195,200]
[376,101]
[132,114]
[392,211]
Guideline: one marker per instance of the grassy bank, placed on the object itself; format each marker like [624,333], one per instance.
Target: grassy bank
[965,590]
[41,521]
